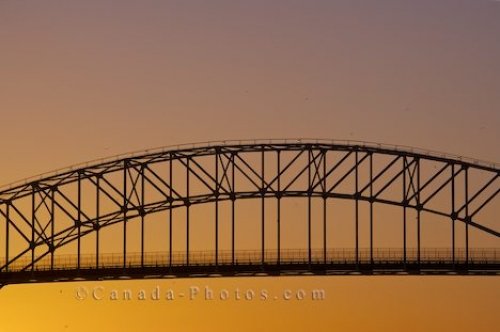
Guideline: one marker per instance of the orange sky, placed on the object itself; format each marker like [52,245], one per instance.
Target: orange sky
[80,80]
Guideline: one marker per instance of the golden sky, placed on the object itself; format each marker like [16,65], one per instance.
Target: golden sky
[80,80]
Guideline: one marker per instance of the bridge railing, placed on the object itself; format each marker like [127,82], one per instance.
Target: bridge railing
[254,257]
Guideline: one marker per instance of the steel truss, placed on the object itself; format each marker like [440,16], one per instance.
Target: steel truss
[311,170]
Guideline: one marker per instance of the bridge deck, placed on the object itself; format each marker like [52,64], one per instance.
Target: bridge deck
[250,263]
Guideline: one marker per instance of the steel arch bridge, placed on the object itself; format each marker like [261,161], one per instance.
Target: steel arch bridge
[46,222]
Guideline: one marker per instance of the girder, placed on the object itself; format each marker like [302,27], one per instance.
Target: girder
[47,214]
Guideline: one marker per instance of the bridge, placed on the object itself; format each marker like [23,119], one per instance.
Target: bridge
[249,208]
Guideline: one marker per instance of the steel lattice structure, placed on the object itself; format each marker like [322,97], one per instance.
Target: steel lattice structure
[50,212]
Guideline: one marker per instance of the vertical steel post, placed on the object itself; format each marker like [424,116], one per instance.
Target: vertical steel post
[357,207]
[97,219]
[371,208]
[216,192]
[405,203]
[324,207]
[7,235]
[33,217]
[170,214]
[466,196]
[278,212]
[263,193]
[188,203]
[52,227]
[79,218]
[143,194]
[419,209]
[125,207]
[453,214]
[309,253]
[233,198]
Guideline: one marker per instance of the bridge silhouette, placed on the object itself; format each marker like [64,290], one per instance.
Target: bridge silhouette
[46,222]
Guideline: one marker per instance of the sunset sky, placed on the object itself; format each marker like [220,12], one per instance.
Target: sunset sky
[81,80]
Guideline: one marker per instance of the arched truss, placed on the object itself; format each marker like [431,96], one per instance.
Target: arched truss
[233,171]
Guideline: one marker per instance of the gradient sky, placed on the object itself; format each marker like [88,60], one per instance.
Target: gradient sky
[80,80]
